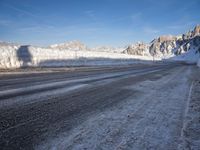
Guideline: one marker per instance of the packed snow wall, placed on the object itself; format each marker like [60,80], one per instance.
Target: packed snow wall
[16,56]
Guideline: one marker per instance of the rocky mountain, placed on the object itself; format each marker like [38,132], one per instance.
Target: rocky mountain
[139,48]
[163,47]
[77,45]
[169,46]
[72,45]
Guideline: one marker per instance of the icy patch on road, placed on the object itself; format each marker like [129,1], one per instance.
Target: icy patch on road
[151,119]
[61,87]
[23,100]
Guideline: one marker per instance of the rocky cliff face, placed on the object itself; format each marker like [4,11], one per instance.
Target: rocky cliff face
[168,46]
[196,31]
[163,46]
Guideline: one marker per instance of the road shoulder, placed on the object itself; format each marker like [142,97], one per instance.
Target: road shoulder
[191,126]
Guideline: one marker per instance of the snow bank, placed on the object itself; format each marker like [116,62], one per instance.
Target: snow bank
[15,56]
[190,57]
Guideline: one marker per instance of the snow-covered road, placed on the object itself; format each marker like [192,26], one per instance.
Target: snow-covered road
[135,107]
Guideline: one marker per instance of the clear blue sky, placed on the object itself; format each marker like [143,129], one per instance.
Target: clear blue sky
[94,22]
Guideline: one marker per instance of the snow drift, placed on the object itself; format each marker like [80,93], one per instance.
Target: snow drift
[16,56]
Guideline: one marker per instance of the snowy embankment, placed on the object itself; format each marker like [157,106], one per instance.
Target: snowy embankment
[15,56]
[190,138]
[190,57]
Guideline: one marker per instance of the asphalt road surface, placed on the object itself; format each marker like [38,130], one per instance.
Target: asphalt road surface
[39,109]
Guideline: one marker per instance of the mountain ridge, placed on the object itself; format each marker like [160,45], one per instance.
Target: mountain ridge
[167,46]
[182,47]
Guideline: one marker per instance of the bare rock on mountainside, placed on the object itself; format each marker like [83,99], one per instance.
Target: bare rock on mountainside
[196,31]
[139,48]
[165,38]
[72,45]
[167,46]
[176,45]
[163,46]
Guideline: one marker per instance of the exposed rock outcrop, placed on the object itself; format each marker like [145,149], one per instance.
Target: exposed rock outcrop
[163,46]
[72,45]
[196,31]
[139,48]
[169,46]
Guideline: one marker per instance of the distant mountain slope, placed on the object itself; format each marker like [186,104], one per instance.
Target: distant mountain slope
[71,45]
[181,47]
[77,45]
[185,46]
[139,48]
[108,49]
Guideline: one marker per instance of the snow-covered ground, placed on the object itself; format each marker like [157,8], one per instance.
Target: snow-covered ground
[190,138]
[14,56]
[190,57]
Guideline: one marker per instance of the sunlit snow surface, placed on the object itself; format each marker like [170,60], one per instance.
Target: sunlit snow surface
[13,56]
